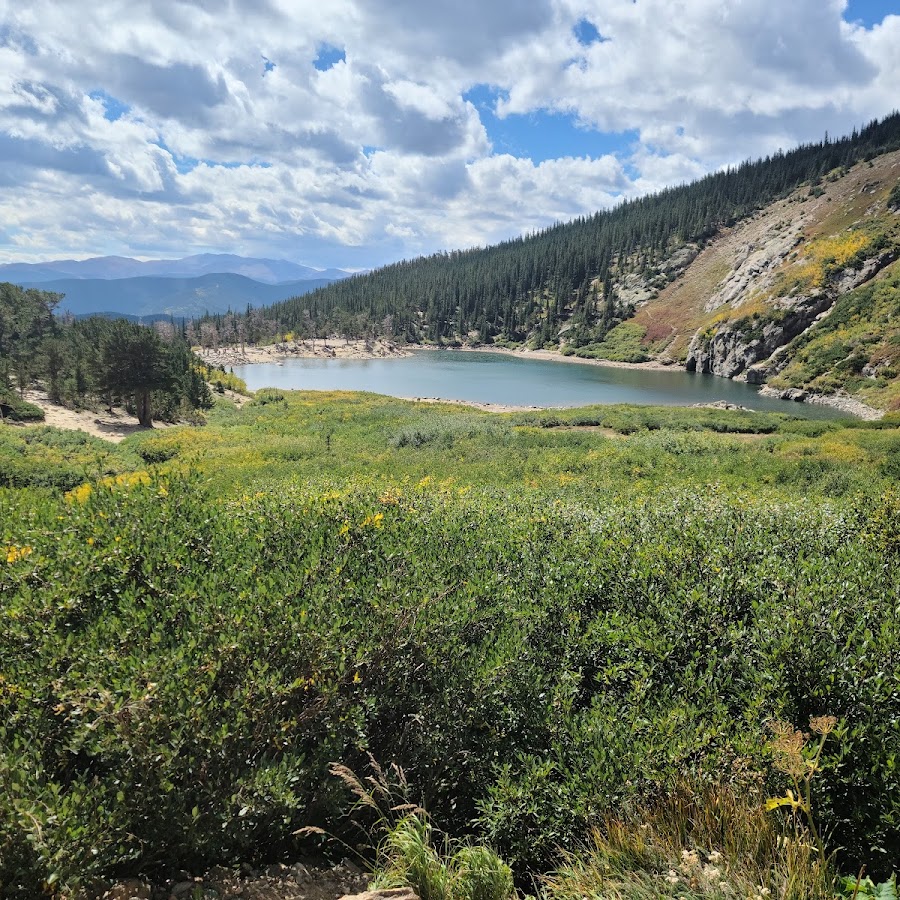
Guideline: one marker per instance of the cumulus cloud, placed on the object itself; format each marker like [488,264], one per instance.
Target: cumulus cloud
[186,126]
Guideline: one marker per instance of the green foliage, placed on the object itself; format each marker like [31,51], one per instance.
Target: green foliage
[408,857]
[544,616]
[13,407]
[50,458]
[220,379]
[622,344]
[26,319]
[89,360]
[858,888]
[444,431]
[267,396]
[179,669]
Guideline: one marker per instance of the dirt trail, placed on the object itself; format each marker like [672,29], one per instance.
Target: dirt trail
[112,426]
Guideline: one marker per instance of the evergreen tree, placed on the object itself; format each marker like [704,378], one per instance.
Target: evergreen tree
[134,363]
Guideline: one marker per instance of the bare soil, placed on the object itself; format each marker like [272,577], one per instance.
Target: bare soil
[112,426]
[277,882]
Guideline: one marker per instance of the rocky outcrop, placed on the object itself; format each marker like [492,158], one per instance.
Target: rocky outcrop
[736,346]
[840,401]
[755,264]
[749,348]
[637,288]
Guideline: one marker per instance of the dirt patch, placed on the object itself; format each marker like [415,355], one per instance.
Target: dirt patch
[278,882]
[112,426]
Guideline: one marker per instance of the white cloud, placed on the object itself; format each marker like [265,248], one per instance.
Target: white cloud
[159,128]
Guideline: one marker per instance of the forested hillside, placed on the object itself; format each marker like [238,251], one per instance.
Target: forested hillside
[567,272]
[150,369]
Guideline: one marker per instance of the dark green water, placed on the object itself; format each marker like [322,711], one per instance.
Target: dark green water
[497,378]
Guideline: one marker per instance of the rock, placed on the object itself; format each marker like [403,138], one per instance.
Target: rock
[384,894]
[131,889]
[720,404]
[301,873]
[182,888]
[680,259]
[840,401]
[736,346]
[742,345]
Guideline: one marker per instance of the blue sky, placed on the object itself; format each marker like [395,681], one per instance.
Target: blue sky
[870,12]
[356,132]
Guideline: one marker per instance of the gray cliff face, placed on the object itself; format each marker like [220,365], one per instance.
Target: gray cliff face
[735,347]
[750,348]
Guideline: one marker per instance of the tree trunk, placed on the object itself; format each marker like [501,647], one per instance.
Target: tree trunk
[142,407]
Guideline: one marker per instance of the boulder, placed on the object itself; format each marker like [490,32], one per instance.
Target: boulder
[384,894]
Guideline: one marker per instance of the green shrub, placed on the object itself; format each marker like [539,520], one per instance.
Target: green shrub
[179,670]
[13,407]
[408,858]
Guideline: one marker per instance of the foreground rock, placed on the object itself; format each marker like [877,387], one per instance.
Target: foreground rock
[840,401]
[278,882]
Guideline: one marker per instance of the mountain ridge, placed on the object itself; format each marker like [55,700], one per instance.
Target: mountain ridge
[145,296]
[264,270]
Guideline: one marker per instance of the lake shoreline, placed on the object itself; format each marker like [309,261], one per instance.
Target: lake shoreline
[234,355]
[651,365]
[385,349]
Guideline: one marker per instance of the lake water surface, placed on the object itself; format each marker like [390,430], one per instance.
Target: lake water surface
[514,381]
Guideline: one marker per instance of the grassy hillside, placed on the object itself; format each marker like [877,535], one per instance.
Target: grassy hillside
[550,620]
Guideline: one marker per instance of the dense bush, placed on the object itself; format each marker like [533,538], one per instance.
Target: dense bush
[12,406]
[48,457]
[179,669]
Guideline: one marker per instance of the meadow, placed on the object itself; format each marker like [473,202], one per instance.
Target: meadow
[571,629]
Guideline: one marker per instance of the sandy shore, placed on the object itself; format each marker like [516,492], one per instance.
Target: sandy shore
[554,356]
[276,353]
[382,349]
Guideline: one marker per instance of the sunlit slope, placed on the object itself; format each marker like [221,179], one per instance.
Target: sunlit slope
[765,291]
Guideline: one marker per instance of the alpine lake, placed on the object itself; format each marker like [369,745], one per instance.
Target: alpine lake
[509,380]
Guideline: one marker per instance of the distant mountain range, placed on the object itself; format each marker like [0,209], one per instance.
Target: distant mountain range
[207,283]
[179,297]
[268,271]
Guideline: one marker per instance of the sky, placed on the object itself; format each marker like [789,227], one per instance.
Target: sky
[353,133]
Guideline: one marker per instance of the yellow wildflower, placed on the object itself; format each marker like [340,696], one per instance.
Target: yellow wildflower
[79,494]
[14,553]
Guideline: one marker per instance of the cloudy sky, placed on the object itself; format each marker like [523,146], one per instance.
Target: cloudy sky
[355,132]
